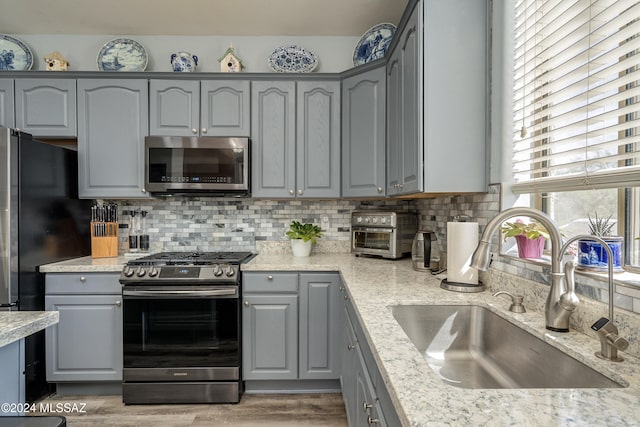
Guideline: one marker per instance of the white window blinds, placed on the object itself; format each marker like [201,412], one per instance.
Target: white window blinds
[576,95]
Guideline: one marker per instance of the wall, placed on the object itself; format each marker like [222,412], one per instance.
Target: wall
[335,54]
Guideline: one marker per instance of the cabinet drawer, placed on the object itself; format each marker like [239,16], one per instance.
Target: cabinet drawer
[270,282]
[77,283]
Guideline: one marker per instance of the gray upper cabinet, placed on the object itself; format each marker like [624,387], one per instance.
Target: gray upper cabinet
[363,134]
[6,103]
[46,107]
[296,139]
[112,123]
[194,108]
[437,100]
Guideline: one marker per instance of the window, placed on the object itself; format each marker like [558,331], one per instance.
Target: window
[576,112]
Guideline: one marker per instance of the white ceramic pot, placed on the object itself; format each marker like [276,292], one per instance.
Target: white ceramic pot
[300,248]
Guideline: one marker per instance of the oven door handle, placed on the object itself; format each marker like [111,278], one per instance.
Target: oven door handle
[184,294]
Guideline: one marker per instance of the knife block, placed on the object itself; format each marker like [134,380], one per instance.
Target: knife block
[104,239]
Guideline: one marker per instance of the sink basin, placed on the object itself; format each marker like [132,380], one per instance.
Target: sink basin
[471,347]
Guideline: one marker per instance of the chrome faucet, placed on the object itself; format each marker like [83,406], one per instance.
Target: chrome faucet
[607,331]
[562,299]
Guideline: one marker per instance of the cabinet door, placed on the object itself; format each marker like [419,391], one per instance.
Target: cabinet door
[363,134]
[411,105]
[348,365]
[394,117]
[320,313]
[6,103]
[112,123]
[86,344]
[174,107]
[224,109]
[273,139]
[318,139]
[270,337]
[46,107]
[12,377]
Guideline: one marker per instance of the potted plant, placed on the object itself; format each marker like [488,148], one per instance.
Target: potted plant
[591,254]
[529,237]
[302,237]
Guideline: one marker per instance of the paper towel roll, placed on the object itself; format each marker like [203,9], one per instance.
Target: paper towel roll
[462,239]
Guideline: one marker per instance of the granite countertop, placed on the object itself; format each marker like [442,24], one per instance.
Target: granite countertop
[15,325]
[420,397]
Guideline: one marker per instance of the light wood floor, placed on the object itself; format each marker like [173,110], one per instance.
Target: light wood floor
[264,410]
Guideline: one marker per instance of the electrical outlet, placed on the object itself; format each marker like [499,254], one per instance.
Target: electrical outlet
[325,221]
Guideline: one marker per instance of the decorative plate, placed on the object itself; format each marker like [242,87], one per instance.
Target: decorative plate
[292,59]
[122,55]
[373,44]
[14,55]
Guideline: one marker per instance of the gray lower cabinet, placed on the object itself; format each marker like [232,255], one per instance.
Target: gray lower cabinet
[365,395]
[199,108]
[290,326]
[363,134]
[112,124]
[46,107]
[7,118]
[86,344]
[295,130]
[12,380]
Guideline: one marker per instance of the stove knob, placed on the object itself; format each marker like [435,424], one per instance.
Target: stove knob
[128,271]
[141,272]
[153,272]
[217,271]
[229,271]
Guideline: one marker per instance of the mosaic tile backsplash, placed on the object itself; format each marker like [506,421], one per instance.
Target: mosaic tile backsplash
[228,224]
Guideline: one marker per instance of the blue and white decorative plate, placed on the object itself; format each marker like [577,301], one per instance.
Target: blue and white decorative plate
[14,55]
[122,55]
[292,59]
[373,44]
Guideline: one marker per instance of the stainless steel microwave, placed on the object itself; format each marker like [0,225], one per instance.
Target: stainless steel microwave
[197,165]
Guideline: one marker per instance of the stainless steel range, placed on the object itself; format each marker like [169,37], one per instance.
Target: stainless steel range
[181,333]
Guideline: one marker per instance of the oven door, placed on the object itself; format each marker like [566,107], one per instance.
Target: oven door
[374,241]
[176,333]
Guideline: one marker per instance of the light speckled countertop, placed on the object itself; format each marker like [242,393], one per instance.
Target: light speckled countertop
[420,397]
[15,325]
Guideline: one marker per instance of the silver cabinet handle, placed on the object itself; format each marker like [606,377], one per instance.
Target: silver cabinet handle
[291,192]
[203,130]
[372,421]
[269,277]
[366,406]
[118,303]
[83,279]
[246,304]
[350,347]
[194,130]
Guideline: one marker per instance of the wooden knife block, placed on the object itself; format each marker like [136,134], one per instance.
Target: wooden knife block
[104,239]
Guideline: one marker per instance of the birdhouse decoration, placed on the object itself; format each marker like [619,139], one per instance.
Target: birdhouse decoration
[229,62]
[55,62]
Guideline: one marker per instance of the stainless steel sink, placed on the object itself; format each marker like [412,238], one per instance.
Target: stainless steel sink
[471,347]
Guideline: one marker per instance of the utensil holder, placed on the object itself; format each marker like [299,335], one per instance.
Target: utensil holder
[104,239]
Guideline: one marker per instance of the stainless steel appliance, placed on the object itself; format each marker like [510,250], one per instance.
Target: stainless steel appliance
[197,165]
[382,233]
[425,253]
[181,333]
[41,221]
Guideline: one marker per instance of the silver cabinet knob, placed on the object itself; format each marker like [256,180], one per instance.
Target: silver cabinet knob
[194,131]
[346,297]
[379,189]
[300,192]
[144,190]
[366,406]
[372,421]
[291,192]
[246,304]
[269,277]
[118,303]
[203,130]
[83,279]
[350,347]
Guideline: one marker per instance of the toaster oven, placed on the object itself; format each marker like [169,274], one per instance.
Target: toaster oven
[383,233]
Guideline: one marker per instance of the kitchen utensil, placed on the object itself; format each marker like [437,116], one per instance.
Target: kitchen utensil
[425,253]
[104,230]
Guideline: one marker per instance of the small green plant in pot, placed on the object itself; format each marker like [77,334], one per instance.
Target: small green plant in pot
[591,254]
[529,237]
[302,237]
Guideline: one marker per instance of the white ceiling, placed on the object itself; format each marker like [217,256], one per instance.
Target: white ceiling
[197,17]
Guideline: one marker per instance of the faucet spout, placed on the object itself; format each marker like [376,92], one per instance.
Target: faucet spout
[560,302]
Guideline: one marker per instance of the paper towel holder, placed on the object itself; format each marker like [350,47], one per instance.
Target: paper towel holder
[462,287]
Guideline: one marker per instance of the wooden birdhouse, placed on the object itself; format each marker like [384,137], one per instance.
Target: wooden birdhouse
[229,62]
[55,62]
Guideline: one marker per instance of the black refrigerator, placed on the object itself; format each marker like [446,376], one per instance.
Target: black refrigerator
[41,221]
